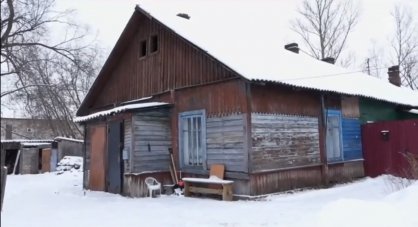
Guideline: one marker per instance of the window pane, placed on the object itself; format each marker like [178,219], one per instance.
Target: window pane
[192,140]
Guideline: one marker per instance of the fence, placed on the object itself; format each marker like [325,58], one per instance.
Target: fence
[386,146]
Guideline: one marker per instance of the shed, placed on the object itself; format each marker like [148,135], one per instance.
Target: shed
[276,119]
[37,155]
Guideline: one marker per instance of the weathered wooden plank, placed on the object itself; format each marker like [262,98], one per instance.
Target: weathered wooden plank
[194,189]
[225,137]
[238,146]
[217,129]
[151,140]
[280,141]
[226,151]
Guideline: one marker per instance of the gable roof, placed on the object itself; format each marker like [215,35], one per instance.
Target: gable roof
[245,36]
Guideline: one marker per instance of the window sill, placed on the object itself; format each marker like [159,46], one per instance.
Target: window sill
[345,161]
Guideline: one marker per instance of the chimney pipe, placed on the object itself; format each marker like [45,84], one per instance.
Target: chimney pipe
[294,47]
[184,15]
[394,77]
[329,60]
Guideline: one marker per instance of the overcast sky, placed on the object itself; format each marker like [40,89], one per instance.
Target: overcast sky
[107,18]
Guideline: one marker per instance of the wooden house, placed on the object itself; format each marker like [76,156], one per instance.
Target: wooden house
[217,88]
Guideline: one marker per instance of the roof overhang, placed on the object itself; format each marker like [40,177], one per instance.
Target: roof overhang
[119,109]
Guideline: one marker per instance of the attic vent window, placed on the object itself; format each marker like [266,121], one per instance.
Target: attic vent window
[142,48]
[184,15]
[154,44]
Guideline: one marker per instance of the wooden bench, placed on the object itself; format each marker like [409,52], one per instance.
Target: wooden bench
[225,192]
[215,178]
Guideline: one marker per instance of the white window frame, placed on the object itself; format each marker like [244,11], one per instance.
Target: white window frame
[334,158]
[198,139]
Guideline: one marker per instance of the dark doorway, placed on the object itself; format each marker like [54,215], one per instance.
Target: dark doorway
[10,161]
[114,157]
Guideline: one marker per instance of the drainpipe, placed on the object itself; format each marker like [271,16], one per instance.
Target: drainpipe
[324,160]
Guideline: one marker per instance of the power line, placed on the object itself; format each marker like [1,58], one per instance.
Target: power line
[330,75]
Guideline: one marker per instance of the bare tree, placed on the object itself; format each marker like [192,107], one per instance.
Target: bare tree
[26,23]
[405,46]
[52,74]
[324,26]
[373,65]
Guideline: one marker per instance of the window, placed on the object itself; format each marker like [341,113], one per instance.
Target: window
[192,138]
[333,136]
[143,48]
[154,44]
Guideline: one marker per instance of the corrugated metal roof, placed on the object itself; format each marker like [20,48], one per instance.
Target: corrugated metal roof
[118,110]
[242,35]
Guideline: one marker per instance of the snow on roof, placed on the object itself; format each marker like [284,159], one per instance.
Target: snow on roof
[118,109]
[32,141]
[246,36]
[413,111]
[68,139]
[35,144]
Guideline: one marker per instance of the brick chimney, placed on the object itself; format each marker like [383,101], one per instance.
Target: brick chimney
[394,77]
[329,60]
[294,47]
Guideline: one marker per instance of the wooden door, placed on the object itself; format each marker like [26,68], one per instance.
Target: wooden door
[46,160]
[97,159]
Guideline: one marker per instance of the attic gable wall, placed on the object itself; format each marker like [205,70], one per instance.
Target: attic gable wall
[176,64]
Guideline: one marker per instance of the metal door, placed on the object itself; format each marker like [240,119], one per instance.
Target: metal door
[114,153]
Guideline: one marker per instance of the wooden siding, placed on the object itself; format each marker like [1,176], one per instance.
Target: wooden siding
[217,98]
[351,135]
[344,172]
[285,180]
[134,184]
[127,143]
[271,98]
[225,137]
[280,141]
[176,64]
[151,140]
[350,107]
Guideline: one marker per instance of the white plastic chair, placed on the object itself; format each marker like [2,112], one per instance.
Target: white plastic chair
[152,185]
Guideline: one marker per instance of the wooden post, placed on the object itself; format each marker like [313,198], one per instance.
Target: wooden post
[3,184]
[186,189]
[227,192]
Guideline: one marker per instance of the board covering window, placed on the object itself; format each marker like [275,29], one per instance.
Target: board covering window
[192,137]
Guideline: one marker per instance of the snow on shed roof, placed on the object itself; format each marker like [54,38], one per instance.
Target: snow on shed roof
[28,141]
[246,36]
[118,109]
[60,138]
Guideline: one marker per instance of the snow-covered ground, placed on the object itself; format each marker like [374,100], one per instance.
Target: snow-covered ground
[58,200]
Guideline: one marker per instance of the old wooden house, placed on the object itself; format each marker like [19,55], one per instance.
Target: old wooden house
[218,88]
